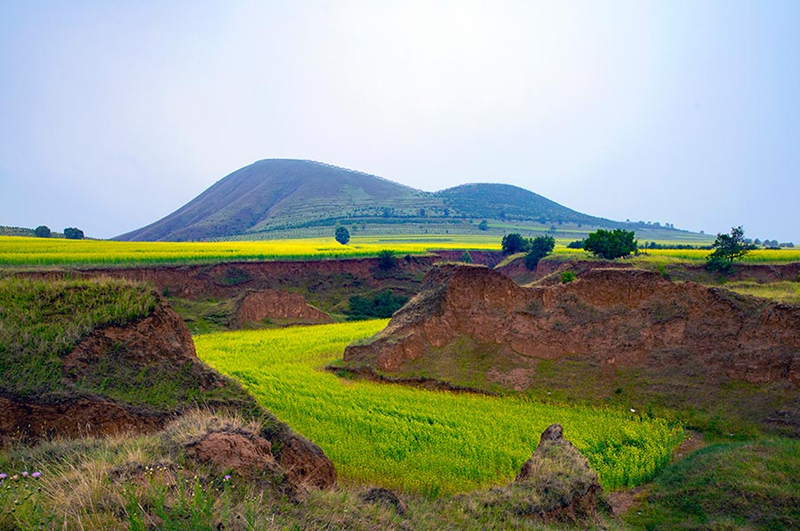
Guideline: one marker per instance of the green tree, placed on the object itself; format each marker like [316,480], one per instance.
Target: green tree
[611,244]
[42,231]
[514,243]
[72,233]
[538,248]
[386,260]
[726,249]
[342,235]
[483,225]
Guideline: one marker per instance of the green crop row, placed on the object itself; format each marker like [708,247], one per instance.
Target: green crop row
[420,440]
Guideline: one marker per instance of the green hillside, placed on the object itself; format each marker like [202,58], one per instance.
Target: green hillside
[504,201]
[279,198]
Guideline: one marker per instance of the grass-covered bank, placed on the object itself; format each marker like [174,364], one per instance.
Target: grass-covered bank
[41,321]
[419,440]
[742,485]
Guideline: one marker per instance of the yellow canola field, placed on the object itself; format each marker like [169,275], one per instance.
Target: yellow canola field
[21,251]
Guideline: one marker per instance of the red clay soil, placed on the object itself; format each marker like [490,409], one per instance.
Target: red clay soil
[72,417]
[231,279]
[623,318]
[255,306]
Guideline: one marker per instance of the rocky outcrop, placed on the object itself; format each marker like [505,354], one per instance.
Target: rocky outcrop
[618,317]
[556,485]
[280,306]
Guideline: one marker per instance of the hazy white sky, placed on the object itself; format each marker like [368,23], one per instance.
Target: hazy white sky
[114,114]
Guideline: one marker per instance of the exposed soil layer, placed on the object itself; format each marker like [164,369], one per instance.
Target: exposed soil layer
[612,318]
[81,416]
[548,271]
[232,279]
[256,306]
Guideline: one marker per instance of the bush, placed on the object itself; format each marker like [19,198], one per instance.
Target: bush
[539,247]
[380,306]
[577,244]
[342,235]
[42,231]
[483,225]
[611,244]
[386,260]
[567,277]
[514,243]
[72,233]
[466,257]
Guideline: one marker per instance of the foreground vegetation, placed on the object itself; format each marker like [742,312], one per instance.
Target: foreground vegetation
[749,485]
[418,440]
[41,321]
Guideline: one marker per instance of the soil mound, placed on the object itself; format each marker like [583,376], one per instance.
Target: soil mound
[625,317]
[281,306]
[556,485]
[474,326]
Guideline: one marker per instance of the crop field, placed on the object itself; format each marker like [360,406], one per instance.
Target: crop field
[21,251]
[759,256]
[419,440]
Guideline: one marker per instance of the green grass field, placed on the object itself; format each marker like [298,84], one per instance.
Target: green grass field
[419,440]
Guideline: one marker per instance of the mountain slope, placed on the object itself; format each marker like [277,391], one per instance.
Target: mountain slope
[284,195]
[504,201]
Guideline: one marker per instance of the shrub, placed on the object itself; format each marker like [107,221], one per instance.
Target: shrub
[466,257]
[483,225]
[380,306]
[386,260]
[577,244]
[567,277]
[539,247]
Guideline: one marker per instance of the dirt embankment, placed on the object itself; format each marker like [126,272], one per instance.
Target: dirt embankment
[614,318]
[761,273]
[231,279]
[136,378]
[281,306]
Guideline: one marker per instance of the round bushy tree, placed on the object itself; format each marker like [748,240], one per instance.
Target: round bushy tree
[42,231]
[514,243]
[342,235]
[72,233]
[611,244]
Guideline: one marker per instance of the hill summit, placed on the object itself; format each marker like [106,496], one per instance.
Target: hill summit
[274,196]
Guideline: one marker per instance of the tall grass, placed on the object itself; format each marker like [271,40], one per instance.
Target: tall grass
[40,321]
[419,440]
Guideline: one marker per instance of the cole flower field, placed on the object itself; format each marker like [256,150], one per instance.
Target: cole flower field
[17,252]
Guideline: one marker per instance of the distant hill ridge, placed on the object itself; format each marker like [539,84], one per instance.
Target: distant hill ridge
[274,196]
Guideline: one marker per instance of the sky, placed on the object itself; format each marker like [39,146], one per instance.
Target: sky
[114,114]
